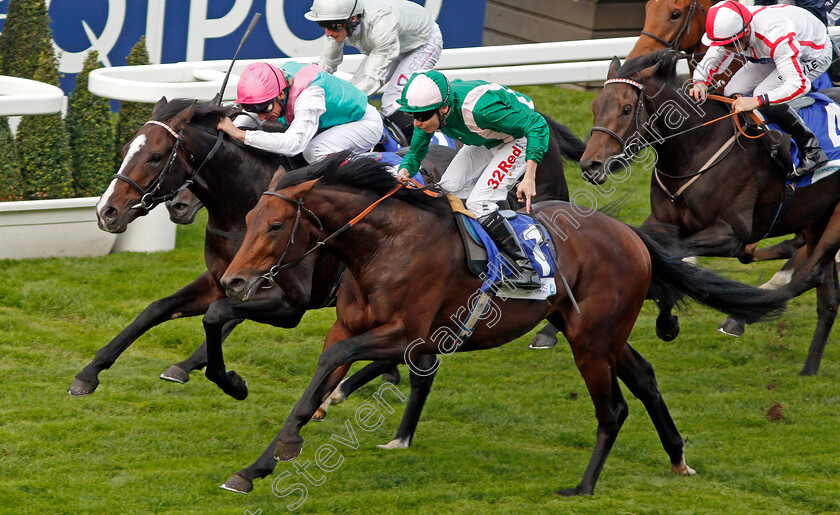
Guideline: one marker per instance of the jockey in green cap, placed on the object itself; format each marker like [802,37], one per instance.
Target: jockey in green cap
[504,139]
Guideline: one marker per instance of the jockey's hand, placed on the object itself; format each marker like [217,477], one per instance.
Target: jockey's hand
[698,92]
[527,187]
[226,125]
[402,173]
[745,104]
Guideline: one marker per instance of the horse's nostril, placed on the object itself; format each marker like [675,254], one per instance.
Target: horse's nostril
[234,284]
[109,213]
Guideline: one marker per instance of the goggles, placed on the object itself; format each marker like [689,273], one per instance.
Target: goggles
[424,116]
[333,25]
[264,107]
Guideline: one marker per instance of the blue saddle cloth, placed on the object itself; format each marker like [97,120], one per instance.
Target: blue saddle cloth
[438,138]
[534,238]
[823,118]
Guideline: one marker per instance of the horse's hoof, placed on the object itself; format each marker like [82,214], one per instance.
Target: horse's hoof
[571,492]
[238,484]
[395,444]
[542,341]
[286,451]
[732,327]
[235,386]
[392,376]
[320,415]
[175,374]
[79,388]
[683,470]
[667,327]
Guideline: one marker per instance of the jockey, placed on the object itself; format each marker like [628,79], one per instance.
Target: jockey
[322,114]
[397,37]
[504,139]
[785,47]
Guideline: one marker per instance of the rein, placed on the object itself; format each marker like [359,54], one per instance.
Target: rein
[148,200]
[280,266]
[675,45]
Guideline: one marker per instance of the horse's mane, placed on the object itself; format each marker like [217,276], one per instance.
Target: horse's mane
[666,71]
[206,114]
[364,173]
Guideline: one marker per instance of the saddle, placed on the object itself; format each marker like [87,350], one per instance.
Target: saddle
[478,259]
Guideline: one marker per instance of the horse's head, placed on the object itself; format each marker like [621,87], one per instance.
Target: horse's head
[278,233]
[621,113]
[183,207]
[149,168]
[672,24]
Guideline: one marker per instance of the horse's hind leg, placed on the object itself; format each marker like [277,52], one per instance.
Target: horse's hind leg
[421,385]
[826,314]
[365,375]
[180,372]
[191,300]
[637,374]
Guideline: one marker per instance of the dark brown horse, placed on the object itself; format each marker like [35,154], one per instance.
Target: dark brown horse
[720,205]
[229,184]
[409,276]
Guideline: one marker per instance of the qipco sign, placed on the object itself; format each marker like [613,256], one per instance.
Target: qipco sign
[199,30]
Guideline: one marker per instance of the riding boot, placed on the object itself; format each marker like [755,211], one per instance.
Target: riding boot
[834,67]
[811,156]
[405,123]
[503,235]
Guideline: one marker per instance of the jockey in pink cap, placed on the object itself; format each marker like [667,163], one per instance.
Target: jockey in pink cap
[784,48]
[322,114]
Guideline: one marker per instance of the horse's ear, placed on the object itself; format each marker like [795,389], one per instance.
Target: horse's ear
[614,66]
[158,105]
[183,118]
[276,178]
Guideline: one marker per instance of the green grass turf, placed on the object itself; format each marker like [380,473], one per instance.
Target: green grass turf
[502,429]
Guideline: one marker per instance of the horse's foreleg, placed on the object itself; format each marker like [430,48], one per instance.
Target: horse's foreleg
[421,385]
[382,343]
[191,300]
[180,372]
[637,374]
[783,250]
[826,314]
[717,240]
[228,311]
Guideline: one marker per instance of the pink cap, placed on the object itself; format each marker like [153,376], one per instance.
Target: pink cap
[260,82]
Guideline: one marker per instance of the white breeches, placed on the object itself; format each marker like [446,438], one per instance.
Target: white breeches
[484,176]
[420,59]
[358,136]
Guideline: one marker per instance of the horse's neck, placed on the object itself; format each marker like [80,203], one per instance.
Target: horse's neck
[231,184]
[381,234]
[687,153]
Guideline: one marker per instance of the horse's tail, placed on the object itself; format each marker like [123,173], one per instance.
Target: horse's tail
[673,279]
[570,145]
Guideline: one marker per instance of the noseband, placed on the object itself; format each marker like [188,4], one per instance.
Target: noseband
[148,200]
[675,45]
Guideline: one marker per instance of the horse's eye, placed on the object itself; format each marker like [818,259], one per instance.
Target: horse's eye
[276,226]
[155,158]
[626,110]
[675,15]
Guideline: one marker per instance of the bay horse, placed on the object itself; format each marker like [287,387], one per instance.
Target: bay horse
[723,205]
[673,24]
[409,275]
[229,185]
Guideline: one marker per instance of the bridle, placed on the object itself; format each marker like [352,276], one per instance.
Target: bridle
[675,45]
[640,106]
[148,196]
